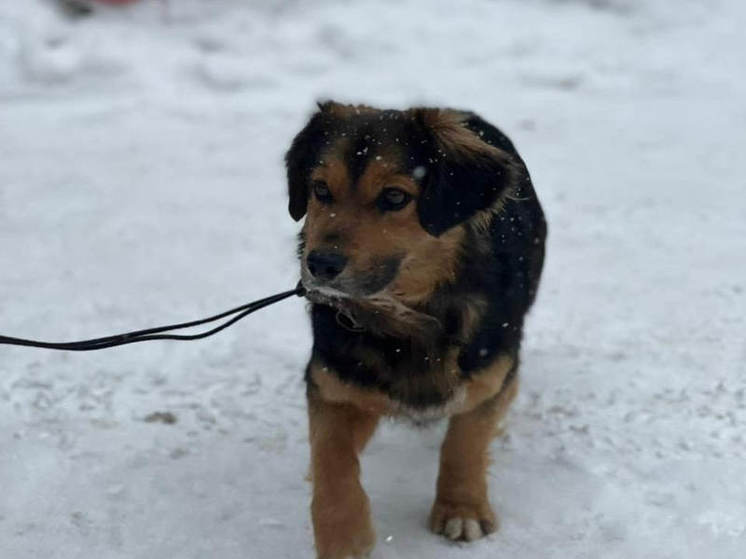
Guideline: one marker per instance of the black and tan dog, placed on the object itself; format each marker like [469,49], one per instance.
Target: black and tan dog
[421,251]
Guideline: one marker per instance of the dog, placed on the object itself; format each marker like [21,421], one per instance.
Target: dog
[421,252]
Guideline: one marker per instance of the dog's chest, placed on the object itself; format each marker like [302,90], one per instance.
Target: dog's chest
[420,400]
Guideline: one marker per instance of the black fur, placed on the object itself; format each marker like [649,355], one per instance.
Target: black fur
[457,185]
[299,160]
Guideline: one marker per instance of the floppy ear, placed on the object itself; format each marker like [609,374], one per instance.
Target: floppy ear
[299,160]
[464,175]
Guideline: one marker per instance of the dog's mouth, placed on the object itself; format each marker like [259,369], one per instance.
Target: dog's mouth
[328,296]
[343,302]
[358,285]
[380,312]
[323,293]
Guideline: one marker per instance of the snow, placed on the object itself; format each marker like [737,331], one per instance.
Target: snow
[141,182]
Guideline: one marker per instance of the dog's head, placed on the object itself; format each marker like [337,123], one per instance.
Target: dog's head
[385,193]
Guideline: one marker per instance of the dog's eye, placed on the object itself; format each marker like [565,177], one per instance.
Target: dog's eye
[392,199]
[322,192]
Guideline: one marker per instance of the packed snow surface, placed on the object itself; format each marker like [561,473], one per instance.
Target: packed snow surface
[141,182]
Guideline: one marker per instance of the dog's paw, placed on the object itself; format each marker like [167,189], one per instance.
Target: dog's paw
[461,521]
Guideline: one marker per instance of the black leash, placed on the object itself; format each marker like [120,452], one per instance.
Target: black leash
[158,333]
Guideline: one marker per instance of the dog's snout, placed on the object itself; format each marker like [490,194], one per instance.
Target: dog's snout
[325,265]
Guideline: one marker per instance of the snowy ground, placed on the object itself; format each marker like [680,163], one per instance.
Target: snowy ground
[141,182]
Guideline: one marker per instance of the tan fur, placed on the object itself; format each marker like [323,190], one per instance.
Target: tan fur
[370,237]
[340,509]
[382,173]
[486,383]
[332,389]
[473,310]
[483,219]
[454,137]
[430,263]
[461,497]
[333,172]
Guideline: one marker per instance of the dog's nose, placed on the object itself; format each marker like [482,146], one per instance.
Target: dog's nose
[325,265]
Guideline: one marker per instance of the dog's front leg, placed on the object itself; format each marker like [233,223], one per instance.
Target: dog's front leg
[462,510]
[339,508]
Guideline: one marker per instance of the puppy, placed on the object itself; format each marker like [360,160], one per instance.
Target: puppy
[421,252]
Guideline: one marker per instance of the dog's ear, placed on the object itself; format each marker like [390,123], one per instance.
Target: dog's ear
[463,175]
[300,158]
